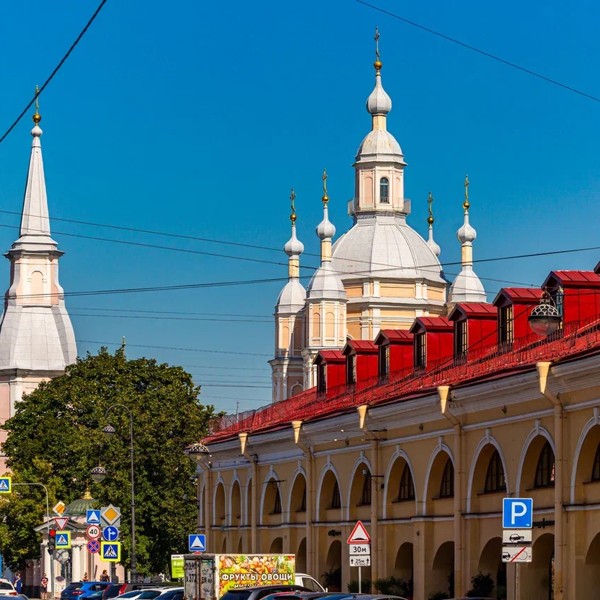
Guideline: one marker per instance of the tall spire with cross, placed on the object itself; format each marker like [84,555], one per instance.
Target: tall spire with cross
[36,334]
[435,248]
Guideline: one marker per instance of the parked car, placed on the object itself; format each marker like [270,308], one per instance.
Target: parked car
[142,594]
[294,595]
[171,594]
[78,590]
[308,582]
[373,597]
[7,588]
[259,592]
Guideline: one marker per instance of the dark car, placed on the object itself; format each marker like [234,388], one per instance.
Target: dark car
[82,589]
[259,592]
[172,594]
[297,595]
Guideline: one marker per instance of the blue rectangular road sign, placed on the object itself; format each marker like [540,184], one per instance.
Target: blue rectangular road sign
[517,513]
[92,516]
[197,542]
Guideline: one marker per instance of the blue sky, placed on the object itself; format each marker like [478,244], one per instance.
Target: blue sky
[196,119]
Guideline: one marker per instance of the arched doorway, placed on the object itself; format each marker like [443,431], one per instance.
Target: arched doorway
[333,567]
[490,563]
[276,546]
[441,578]
[536,580]
[301,557]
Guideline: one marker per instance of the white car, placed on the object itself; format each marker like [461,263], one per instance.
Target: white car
[7,588]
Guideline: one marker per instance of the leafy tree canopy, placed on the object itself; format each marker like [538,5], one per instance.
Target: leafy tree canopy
[56,438]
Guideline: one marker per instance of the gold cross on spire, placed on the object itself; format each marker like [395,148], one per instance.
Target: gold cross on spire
[37,117]
[377,43]
[325,197]
[293,204]
[466,203]
[429,203]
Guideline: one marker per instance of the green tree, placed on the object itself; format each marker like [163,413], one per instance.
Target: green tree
[56,438]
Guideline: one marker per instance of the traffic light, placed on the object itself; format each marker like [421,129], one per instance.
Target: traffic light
[51,541]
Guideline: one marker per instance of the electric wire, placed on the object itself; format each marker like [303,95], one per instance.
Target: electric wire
[503,61]
[56,69]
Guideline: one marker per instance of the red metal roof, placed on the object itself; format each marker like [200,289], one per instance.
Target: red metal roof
[483,364]
[574,278]
[525,295]
[330,356]
[394,335]
[361,347]
[475,309]
[431,324]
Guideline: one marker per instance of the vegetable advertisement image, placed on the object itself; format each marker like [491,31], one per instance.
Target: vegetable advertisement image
[240,570]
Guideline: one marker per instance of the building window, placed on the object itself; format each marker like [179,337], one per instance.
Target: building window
[447,485]
[506,334]
[544,472]
[596,467]
[494,478]
[336,500]
[351,369]
[407,487]
[322,378]
[460,339]
[302,507]
[420,351]
[384,190]
[365,497]
[384,362]
[558,296]
[276,500]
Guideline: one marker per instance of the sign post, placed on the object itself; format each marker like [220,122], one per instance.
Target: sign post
[517,521]
[359,549]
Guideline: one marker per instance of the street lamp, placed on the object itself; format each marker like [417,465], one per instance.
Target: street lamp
[545,318]
[99,473]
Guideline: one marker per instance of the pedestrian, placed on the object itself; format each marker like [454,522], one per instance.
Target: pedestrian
[85,577]
[104,576]
[44,587]
[18,583]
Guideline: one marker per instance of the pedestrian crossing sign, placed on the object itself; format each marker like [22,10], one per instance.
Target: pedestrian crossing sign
[111,551]
[5,485]
[63,540]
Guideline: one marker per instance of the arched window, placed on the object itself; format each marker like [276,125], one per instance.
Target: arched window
[544,472]
[494,478]
[596,466]
[407,487]
[384,190]
[447,485]
[365,497]
[277,503]
[336,501]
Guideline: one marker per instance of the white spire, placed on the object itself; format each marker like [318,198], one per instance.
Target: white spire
[467,287]
[431,242]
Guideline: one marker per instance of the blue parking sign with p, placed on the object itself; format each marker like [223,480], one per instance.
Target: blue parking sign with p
[517,513]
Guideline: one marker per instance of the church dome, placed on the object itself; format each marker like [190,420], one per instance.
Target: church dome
[291,298]
[378,102]
[385,247]
[326,284]
[78,507]
[379,145]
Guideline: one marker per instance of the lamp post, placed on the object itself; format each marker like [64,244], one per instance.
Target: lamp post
[99,473]
[48,528]
[200,454]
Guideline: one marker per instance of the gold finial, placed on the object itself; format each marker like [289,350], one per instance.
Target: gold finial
[429,203]
[325,197]
[293,203]
[87,495]
[466,203]
[37,117]
[377,64]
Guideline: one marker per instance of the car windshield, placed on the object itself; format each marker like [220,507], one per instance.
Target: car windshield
[5,586]
[149,594]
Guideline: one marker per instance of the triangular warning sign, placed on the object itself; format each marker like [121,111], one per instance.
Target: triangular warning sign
[196,544]
[3,485]
[61,522]
[110,552]
[62,540]
[359,535]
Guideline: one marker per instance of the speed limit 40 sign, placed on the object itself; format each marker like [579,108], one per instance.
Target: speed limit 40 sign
[93,532]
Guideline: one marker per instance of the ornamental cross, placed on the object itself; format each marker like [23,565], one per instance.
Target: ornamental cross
[377,42]
[466,203]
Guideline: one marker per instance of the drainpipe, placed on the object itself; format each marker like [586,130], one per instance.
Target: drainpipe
[311,561]
[560,573]
[376,544]
[253,460]
[460,557]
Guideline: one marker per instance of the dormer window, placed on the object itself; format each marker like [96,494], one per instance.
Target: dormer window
[351,369]
[384,190]
[460,339]
[420,351]
[384,362]
[506,332]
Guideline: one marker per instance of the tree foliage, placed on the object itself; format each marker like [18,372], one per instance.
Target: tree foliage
[55,437]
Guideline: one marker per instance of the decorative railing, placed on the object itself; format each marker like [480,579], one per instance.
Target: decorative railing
[482,361]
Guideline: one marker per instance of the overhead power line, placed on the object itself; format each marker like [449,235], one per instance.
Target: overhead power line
[56,69]
[499,59]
